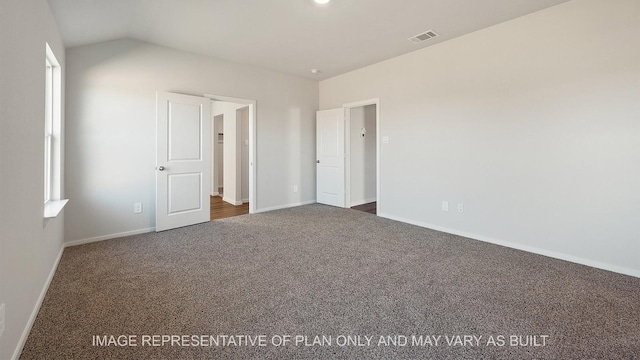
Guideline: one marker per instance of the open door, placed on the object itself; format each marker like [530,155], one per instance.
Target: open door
[330,157]
[183,160]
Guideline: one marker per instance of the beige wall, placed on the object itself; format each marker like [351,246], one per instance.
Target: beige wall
[532,124]
[111,130]
[30,246]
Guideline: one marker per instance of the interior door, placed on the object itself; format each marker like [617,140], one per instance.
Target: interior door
[330,157]
[183,160]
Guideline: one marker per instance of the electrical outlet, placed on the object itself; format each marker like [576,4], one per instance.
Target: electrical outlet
[445,206]
[295,188]
[137,208]
[460,207]
[1,319]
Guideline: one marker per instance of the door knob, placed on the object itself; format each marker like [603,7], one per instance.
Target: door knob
[318,161]
[161,168]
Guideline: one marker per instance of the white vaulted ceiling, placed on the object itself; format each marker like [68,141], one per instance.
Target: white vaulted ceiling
[289,36]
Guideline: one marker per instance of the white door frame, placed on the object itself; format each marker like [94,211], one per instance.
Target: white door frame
[252,144]
[347,137]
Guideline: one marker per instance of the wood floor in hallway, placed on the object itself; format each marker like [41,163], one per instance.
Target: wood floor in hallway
[371,208]
[221,209]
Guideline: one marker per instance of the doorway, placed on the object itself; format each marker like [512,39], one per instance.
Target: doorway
[361,166]
[232,175]
[348,156]
[218,155]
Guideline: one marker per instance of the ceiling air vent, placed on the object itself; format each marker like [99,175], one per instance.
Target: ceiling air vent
[429,34]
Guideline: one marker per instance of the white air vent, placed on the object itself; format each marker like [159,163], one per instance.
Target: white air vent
[429,34]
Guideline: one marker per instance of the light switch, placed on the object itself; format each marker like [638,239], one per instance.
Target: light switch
[385,139]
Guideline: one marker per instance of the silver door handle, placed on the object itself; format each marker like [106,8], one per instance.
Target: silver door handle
[161,168]
[318,161]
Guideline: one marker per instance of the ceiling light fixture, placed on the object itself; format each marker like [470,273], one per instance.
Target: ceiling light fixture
[315,71]
[321,2]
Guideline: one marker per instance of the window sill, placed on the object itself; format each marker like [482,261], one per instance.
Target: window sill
[53,208]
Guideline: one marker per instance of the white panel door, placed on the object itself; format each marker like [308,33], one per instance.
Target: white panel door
[183,160]
[330,157]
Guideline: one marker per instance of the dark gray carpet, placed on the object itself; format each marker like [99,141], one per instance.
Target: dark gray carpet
[318,270]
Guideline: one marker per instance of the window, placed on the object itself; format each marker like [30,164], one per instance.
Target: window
[52,136]
[48,131]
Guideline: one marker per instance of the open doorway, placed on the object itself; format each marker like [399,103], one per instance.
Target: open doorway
[218,156]
[361,144]
[348,156]
[230,169]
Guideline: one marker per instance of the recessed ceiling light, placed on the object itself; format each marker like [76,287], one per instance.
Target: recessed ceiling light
[321,2]
[315,71]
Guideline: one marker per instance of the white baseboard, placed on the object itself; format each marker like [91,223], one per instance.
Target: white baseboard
[36,309]
[244,201]
[107,237]
[527,248]
[362,202]
[215,193]
[279,207]
[232,202]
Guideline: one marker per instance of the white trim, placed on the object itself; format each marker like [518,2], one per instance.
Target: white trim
[215,193]
[373,101]
[279,207]
[234,203]
[53,208]
[253,160]
[108,237]
[229,99]
[347,157]
[527,248]
[36,309]
[244,201]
